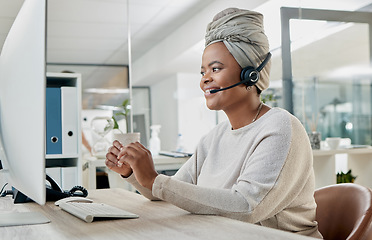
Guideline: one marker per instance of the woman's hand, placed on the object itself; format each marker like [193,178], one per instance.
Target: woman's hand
[112,163]
[139,159]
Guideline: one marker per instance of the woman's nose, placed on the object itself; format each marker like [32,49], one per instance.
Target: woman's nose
[206,78]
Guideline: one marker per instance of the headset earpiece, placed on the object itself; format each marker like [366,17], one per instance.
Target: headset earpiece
[249,76]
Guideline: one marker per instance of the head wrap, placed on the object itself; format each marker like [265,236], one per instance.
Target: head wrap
[242,32]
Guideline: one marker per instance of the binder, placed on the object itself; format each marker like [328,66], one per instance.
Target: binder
[68,177]
[70,120]
[53,121]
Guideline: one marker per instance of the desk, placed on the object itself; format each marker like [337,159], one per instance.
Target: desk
[162,163]
[158,220]
[359,160]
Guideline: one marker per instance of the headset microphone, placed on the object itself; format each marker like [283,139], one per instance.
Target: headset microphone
[223,89]
[248,76]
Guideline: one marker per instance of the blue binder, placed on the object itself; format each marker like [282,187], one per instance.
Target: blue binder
[53,121]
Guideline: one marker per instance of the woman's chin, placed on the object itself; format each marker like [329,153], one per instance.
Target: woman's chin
[212,106]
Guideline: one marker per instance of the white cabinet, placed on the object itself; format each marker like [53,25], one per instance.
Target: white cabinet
[63,128]
[359,160]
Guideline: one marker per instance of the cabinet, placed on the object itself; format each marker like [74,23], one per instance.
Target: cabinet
[359,160]
[63,130]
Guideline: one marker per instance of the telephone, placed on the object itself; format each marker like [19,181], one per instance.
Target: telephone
[53,192]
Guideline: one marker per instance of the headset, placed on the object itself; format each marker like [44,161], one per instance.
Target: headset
[248,76]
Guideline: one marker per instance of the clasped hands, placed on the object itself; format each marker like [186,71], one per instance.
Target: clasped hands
[132,158]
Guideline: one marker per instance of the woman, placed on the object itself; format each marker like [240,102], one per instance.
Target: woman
[256,167]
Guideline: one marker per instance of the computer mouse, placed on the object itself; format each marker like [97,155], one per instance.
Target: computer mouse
[73,199]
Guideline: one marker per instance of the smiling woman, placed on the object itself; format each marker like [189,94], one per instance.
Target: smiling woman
[256,167]
[219,70]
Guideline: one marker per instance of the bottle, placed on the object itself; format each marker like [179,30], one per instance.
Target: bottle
[155,140]
[180,147]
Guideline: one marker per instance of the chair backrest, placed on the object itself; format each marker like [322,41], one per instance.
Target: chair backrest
[367,235]
[344,211]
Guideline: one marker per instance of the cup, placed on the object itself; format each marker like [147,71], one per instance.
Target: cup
[333,142]
[127,138]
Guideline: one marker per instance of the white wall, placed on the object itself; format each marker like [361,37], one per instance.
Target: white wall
[158,61]
[178,105]
[194,118]
[164,111]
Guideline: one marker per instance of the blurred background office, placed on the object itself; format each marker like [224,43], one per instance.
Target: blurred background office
[330,62]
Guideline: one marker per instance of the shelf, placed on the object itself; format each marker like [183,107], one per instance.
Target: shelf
[359,160]
[329,152]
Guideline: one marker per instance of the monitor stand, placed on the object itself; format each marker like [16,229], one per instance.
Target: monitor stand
[19,218]
[22,218]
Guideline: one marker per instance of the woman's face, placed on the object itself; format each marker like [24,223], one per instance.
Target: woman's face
[219,69]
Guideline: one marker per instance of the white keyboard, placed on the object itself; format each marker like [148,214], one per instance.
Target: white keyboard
[91,211]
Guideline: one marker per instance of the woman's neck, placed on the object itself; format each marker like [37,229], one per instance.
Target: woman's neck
[243,115]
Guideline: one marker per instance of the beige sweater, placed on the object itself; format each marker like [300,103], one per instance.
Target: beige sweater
[261,173]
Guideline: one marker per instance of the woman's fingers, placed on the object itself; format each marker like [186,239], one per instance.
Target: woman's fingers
[130,149]
[140,161]
[117,144]
[112,155]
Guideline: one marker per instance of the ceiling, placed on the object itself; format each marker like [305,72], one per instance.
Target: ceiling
[95,32]
[91,36]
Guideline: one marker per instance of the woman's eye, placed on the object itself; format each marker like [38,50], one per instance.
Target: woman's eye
[215,69]
[202,73]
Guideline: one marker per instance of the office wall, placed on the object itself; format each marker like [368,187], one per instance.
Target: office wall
[178,105]
[164,111]
[195,119]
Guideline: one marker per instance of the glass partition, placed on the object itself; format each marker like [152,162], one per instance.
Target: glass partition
[336,108]
[326,77]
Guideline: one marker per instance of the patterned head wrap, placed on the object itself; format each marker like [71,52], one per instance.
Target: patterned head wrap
[242,32]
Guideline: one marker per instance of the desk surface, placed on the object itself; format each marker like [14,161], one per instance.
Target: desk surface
[329,152]
[158,220]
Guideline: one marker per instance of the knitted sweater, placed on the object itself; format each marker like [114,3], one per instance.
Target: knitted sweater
[261,173]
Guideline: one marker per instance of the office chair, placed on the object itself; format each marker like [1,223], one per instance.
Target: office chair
[368,233]
[344,211]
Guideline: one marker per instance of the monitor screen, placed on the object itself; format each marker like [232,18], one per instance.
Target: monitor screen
[22,101]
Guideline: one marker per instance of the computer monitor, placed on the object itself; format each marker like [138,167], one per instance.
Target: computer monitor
[22,101]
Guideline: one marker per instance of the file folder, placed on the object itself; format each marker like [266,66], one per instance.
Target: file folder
[53,121]
[68,177]
[70,120]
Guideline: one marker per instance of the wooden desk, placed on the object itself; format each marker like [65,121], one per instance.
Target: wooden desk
[158,220]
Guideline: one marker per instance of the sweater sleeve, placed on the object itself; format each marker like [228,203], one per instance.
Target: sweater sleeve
[144,191]
[274,174]
[187,173]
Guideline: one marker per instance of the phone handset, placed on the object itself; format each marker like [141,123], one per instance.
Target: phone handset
[53,192]
[53,184]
